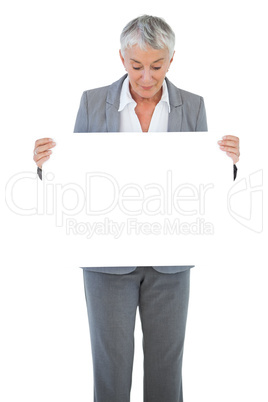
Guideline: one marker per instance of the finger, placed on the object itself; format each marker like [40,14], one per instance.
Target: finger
[42,141]
[233,153]
[45,142]
[231,137]
[43,148]
[230,149]
[234,157]
[39,156]
[228,142]
[42,160]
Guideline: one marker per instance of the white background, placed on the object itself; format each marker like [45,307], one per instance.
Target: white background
[51,52]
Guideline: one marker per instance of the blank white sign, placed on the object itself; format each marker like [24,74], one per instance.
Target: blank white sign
[132,199]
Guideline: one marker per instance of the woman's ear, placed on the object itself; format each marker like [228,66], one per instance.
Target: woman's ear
[122,58]
[171,60]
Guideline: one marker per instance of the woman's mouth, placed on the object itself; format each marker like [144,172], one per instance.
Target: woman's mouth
[147,88]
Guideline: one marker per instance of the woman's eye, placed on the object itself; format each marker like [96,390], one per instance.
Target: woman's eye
[139,68]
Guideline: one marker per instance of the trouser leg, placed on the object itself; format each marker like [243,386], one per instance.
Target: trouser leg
[112,304]
[163,311]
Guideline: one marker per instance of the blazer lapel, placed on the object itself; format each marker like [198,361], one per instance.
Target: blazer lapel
[175,115]
[112,105]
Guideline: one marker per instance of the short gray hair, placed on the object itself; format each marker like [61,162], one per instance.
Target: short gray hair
[147,31]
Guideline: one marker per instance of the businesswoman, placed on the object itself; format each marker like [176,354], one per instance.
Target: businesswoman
[142,100]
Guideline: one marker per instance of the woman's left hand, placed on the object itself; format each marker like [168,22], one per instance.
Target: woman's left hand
[230,144]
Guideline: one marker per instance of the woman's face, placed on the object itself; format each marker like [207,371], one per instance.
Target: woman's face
[146,70]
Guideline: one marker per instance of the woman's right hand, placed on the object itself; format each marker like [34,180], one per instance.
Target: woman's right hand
[42,150]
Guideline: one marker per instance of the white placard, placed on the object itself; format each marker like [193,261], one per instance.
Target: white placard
[136,199]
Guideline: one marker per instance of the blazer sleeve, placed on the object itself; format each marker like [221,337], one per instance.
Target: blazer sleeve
[39,173]
[235,171]
[201,123]
[81,123]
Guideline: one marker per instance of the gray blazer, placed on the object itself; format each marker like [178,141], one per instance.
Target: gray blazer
[98,111]
[168,269]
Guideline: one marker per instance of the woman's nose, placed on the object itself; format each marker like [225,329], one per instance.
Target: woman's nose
[146,75]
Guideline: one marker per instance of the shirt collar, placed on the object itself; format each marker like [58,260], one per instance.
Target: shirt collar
[126,98]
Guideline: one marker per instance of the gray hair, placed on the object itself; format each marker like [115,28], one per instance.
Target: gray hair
[147,31]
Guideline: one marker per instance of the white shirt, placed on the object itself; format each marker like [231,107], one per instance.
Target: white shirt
[129,120]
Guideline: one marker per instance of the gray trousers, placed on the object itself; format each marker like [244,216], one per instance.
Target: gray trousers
[112,302]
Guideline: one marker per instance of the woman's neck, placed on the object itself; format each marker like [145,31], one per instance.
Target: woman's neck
[140,100]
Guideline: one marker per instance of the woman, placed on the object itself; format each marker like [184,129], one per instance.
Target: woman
[143,100]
